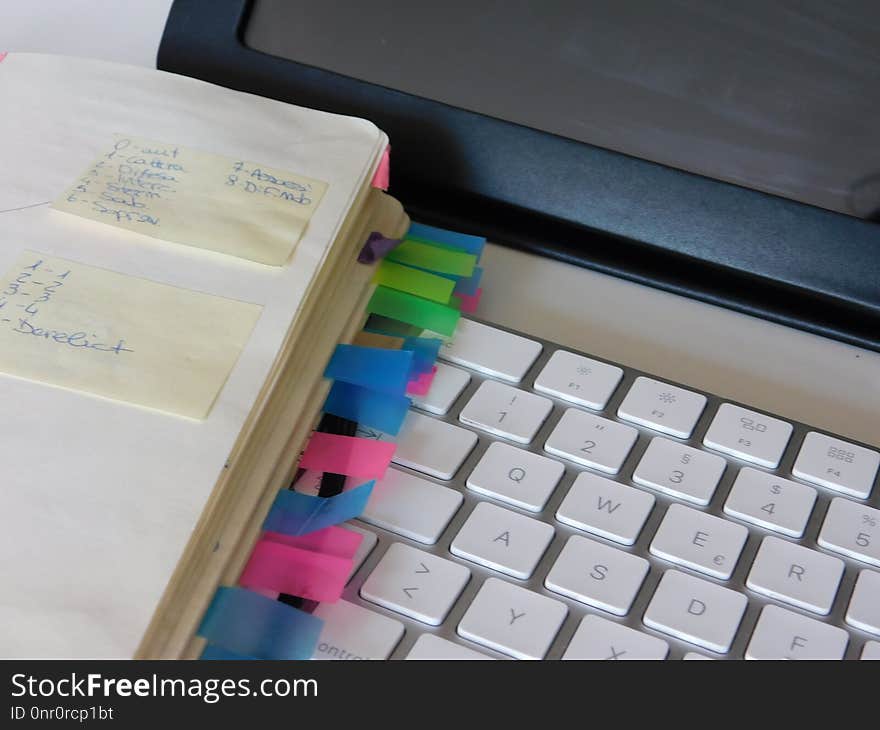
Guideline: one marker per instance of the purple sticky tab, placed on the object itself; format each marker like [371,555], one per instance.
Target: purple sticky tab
[377,247]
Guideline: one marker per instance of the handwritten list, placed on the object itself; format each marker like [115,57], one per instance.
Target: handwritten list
[121,337]
[196,198]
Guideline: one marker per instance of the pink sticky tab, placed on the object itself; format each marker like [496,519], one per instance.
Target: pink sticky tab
[274,566]
[331,541]
[262,591]
[348,455]
[382,178]
[2,55]
[422,384]
[470,302]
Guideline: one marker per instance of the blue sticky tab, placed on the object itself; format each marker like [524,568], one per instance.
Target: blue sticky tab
[471,244]
[248,624]
[424,350]
[469,286]
[367,407]
[371,367]
[293,513]
[214,652]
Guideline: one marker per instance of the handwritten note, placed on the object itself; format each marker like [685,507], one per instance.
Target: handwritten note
[118,336]
[166,191]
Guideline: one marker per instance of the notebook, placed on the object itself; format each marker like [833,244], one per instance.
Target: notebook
[177,263]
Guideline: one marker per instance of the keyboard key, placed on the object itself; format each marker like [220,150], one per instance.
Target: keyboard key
[699,541]
[680,471]
[578,379]
[853,530]
[748,435]
[428,646]
[353,632]
[512,620]
[448,384]
[794,574]
[506,411]
[696,611]
[364,549]
[521,478]
[433,447]
[491,351]
[837,465]
[411,506]
[605,508]
[415,583]
[599,638]
[864,606]
[591,441]
[502,540]
[770,502]
[663,407]
[783,634]
[871,651]
[598,575]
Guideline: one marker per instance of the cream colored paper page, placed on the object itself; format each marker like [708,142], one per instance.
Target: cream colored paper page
[119,336]
[168,191]
[98,498]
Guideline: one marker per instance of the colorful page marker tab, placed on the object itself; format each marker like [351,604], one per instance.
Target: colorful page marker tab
[249,624]
[425,351]
[3,55]
[372,367]
[422,384]
[367,406]
[464,241]
[374,339]
[469,285]
[212,652]
[294,513]
[330,541]
[347,455]
[391,327]
[382,176]
[297,572]
[415,281]
[434,258]
[414,310]
[376,248]
[469,304]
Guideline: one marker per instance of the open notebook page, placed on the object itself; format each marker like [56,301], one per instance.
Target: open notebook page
[100,488]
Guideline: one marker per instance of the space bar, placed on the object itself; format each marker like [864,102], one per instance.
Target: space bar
[433,447]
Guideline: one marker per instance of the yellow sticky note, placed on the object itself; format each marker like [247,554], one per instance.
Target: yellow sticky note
[118,336]
[196,198]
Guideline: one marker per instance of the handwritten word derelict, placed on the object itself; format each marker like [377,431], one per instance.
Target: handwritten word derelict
[117,336]
[196,198]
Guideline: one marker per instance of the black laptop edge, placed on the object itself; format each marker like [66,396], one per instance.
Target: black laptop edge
[752,252]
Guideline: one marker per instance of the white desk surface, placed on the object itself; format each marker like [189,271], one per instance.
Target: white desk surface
[796,375]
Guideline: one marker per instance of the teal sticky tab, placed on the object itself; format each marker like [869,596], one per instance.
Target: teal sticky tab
[212,652]
[293,513]
[424,350]
[469,286]
[367,407]
[371,367]
[248,624]
[391,327]
[464,241]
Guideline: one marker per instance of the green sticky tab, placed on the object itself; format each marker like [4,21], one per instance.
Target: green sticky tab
[434,258]
[415,281]
[414,310]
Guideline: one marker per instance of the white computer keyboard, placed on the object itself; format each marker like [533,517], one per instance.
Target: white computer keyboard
[546,504]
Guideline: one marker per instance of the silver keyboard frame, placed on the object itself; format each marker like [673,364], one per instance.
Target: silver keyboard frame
[576,609]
